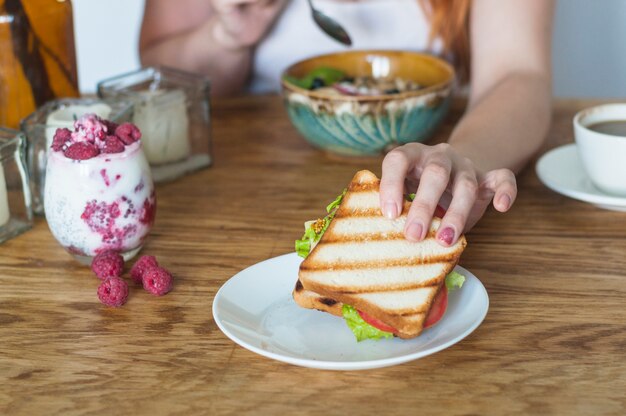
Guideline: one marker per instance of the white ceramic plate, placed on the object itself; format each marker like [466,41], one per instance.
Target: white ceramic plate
[255,309]
[562,171]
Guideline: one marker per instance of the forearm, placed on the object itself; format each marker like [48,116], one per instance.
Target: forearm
[201,51]
[507,125]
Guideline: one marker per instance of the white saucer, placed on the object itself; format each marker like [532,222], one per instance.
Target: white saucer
[562,171]
[255,309]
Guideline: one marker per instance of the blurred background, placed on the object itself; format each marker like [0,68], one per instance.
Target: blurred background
[589,53]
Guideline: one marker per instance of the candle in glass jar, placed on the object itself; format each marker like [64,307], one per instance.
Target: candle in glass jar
[65,117]
[4,200]
[161,115]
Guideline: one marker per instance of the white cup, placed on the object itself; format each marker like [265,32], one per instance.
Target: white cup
[603,155]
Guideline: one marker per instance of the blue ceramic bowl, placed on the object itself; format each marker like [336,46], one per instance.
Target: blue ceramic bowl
[374,124]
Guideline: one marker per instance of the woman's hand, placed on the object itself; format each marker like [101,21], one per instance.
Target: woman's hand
[243,23]
[440,175]
[211,37]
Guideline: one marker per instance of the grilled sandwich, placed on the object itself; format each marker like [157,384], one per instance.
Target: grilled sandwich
[363,264]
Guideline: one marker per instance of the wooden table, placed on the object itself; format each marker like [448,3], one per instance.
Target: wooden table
[553,342]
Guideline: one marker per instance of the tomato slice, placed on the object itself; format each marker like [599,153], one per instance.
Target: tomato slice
[440,304]
[378,324]
[440,211]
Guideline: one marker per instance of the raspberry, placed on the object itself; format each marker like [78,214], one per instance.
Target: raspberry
[157,281]
[108,264]
[128,133]
[110,126]
[149,210]
[141,266]
[61,138]
[81,151]
[113,291]
[112,145]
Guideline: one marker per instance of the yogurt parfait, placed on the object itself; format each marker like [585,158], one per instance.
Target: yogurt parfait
[99,193]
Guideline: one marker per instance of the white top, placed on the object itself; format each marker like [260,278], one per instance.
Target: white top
[371,24]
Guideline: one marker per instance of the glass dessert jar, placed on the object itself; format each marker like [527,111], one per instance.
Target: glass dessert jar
[41,125]
[15,208]
[99,193]
[171,107]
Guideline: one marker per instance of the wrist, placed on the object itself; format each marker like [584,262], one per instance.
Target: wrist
[472,152]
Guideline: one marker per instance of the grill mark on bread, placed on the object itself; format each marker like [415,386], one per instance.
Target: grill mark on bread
[365,237]
[377,289]
[356,187]
[358,212]
[346,265]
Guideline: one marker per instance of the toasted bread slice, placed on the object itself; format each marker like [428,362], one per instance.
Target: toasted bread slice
[364,260]
[307,299]
[311,300]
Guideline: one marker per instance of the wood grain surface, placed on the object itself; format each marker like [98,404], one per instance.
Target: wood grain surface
[553,342]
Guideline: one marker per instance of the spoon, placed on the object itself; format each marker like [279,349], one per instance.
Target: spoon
[330,26]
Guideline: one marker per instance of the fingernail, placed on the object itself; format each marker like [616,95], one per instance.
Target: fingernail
[446,235]
[414,231]
[390,210]
[504,202]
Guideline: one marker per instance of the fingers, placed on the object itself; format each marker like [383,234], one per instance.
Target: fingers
[464,196]
[503,184]
[444,177]
[433,182]
[471,199]
[485,196]
[396,167]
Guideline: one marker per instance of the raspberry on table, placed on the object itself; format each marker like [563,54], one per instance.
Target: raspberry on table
[108,264]
[113,291]
[128,133]
[113,145]
[141,266]
[61,138]
[81,151]
[157,281]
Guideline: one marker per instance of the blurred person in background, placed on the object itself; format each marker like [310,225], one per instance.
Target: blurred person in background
[500,49]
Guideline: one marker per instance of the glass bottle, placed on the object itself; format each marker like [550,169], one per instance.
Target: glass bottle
[37,58]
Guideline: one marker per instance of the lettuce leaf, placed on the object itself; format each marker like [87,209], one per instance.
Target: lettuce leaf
[361,329]
[303,247]
[335,204]
[314,230]
[328,75]
[454,280]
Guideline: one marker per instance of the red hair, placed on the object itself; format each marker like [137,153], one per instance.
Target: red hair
[449,21]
